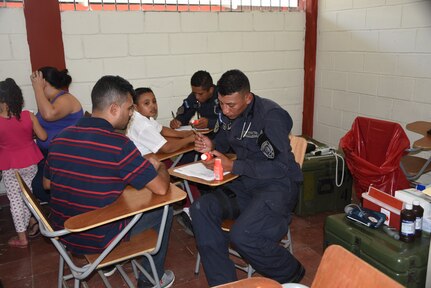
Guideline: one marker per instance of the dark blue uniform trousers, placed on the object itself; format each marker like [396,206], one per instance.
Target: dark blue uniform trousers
[262,223]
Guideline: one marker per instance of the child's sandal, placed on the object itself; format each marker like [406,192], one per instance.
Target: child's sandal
[16,243]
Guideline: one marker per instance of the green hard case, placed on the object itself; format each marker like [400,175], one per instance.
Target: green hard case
[319,192]
[406,263]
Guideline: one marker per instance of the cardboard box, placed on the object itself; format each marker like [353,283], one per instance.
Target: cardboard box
[408,195]
[380,201]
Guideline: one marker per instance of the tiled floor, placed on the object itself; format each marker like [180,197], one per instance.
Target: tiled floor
[36,266]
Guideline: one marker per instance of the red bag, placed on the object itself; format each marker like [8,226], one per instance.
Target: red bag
[373,150]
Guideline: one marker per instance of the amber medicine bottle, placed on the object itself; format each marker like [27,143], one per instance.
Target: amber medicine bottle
[408,219]
[419,213]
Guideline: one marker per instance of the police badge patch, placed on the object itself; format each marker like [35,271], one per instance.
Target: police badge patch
[267,148]
[180,110]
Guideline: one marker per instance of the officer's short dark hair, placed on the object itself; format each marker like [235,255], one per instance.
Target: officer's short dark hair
[110,89]
[233,81]
[202,79]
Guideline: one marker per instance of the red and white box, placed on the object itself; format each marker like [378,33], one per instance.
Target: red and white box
[382,202]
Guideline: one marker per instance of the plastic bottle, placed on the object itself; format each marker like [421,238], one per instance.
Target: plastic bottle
[419,213]
[408,219]
[207,156]
[218,170]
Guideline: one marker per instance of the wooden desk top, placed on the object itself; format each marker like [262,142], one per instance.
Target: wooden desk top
[421,127]
[226,178]
[163,156]
[253,282]
[131,202]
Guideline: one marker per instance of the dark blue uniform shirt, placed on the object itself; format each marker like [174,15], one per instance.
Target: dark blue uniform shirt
[260,139]
[209,109]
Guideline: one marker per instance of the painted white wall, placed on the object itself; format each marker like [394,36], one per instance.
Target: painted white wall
[14,52]
[373,60]
[163,50]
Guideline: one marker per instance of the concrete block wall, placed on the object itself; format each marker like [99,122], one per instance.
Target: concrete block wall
[373,60]
[163,49]
[14,52]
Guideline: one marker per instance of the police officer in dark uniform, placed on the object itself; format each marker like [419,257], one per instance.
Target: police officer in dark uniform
[202,100]
[260,199]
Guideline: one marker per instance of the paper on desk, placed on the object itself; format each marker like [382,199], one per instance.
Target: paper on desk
[197,170]
[188,128]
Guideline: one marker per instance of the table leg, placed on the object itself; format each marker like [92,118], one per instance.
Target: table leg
[177,160]
[189,192]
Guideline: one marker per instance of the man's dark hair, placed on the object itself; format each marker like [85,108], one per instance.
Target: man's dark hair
[233,81]
[11,94]
[58,79]
[139,91]
[202,79]
[110,89]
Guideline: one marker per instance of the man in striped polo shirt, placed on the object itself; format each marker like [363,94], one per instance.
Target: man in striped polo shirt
[89,165]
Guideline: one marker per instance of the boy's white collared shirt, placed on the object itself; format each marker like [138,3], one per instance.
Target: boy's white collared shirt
[145,133]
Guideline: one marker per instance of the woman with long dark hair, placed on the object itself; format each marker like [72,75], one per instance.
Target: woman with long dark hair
[57,109]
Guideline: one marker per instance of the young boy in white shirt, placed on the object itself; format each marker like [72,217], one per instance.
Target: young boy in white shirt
[147,134]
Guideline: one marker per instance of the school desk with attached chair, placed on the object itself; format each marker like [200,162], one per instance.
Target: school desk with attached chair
[415,166]
[131,204]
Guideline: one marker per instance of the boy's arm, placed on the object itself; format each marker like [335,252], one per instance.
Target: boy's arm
[174,144]
[169,132]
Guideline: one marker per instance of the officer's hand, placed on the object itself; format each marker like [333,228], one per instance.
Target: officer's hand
[201,123]
[225,161]
[174,124]
[203,143]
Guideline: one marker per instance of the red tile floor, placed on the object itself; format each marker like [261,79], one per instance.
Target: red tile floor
[36,266]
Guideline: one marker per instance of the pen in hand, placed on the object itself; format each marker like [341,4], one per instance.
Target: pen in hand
[173,114]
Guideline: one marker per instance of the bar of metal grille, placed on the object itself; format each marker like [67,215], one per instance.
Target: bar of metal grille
[167,5]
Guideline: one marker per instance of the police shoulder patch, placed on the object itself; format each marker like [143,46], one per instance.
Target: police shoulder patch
[267,149]
[180,110]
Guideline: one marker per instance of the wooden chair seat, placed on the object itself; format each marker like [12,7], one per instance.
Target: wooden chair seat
[413,165]
[341,268]
[136,246]
[255,282]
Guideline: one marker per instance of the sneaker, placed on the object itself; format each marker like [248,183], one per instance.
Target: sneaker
[166,281]
[109,271]
[184,220]
[299,274]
